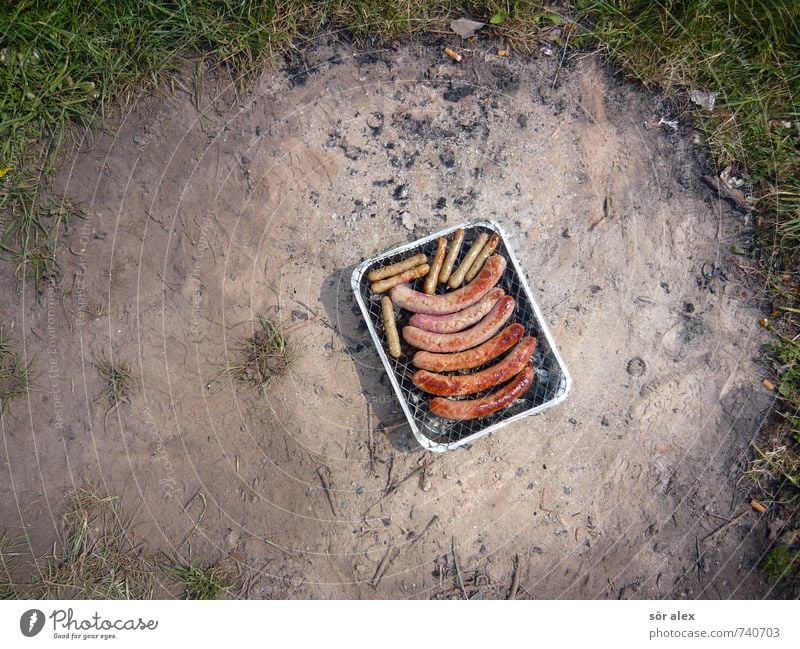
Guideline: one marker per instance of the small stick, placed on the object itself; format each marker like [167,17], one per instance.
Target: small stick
[198,494]
[389,475]
[541,504]
[722,527]
[371,442]
[391,488]
[427,527]
[384,564]
[561,62]
[327,489]
[512,591]
[458,570]
[407,477]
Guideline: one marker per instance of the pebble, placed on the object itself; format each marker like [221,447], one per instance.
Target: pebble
[637,366]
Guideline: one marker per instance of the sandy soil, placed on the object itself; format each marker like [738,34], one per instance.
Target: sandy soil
[196,223]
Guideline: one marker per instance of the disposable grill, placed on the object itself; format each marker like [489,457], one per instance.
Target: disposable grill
[551,384]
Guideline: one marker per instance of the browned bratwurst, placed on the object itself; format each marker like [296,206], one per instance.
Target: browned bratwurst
[463,384]
[461,340]
[466,409]
[470,358]
[447,324]
[407,298]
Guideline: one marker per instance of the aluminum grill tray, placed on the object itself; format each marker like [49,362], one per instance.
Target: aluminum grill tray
[551,384]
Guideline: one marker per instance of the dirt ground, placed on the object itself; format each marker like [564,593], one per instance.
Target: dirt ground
[198,222]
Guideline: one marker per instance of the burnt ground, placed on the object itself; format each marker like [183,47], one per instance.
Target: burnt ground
[195,223]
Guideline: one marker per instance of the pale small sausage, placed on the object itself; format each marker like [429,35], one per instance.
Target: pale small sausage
[431,279]
[396,268]
[406,276]
[487,250]
[457,278]
[389,327]
[450,260]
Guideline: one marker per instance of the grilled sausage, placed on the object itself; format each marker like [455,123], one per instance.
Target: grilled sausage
[455,248]
[432,278]
[383,285]
[463,384]
[447,324]
[488,249]
[461,340]
[389,327]
[457,278]
[396,268]
[467,409]
[407,298]
[471,358]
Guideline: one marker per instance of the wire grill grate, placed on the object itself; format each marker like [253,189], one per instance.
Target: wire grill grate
[551,381]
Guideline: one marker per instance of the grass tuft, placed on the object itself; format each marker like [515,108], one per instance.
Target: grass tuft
[14,373]
[203,582]
[263,356]
[117,377]
[782,567]
[99,558]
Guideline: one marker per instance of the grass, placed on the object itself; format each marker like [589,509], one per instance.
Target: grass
[202,582]
[749,52]
[100,558]
[117,377]
[14,373]
[782,568]
[263,356]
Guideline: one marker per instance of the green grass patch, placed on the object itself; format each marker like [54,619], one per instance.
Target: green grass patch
[782,568]
[117,378]
[67,64]
[101,558]
[15,373]
[202,582]
[263,356]
[748,51]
